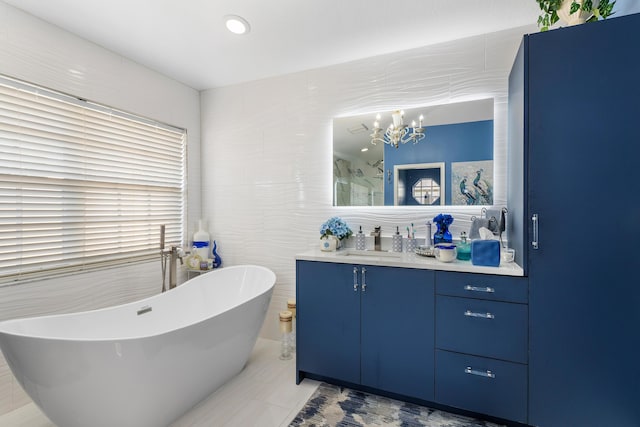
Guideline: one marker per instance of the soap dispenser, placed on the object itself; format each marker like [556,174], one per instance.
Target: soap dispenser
[360,240]
[396,243]
[464,248]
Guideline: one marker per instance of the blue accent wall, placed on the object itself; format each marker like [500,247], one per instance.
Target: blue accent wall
[460,142]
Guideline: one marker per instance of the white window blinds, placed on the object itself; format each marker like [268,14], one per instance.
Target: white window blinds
[82,185]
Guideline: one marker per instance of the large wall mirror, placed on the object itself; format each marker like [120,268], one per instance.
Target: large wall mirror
[451,165]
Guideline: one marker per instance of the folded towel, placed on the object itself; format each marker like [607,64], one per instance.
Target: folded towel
[474,231]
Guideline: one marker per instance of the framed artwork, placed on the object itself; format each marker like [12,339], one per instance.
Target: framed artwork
[472,183]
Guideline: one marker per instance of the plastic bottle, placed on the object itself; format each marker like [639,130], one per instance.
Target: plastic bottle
[201,242]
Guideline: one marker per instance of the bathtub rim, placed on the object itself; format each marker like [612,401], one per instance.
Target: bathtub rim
[138,303]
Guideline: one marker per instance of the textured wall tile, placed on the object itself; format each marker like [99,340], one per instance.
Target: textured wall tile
[268,156]
[33,50]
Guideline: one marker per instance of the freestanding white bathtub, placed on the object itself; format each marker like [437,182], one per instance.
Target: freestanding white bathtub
[141,364]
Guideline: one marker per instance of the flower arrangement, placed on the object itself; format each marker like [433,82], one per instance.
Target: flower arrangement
[443,219]
[335,226]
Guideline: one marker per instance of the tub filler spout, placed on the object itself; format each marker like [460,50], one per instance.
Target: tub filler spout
[176,254]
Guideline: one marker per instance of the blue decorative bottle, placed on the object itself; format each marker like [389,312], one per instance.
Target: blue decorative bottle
[443,235]
[217,261]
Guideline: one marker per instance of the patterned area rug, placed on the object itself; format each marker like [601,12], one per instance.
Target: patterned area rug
[334,406]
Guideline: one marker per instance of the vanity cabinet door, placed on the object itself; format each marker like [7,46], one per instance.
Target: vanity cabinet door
[397,330]
[328,321]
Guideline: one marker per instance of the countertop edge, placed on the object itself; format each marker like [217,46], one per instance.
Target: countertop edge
[410,260]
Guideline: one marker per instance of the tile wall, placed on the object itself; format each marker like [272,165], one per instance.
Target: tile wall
[35,51]
[267,149]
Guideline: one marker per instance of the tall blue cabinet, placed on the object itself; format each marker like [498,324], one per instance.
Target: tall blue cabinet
[574,181]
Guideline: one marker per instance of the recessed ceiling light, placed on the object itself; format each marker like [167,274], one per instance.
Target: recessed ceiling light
[237,24]
[364,149]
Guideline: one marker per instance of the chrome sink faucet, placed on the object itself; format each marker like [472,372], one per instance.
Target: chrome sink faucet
[376,239]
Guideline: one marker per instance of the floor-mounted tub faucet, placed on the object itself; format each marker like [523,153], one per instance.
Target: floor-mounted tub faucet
[176,254]
[376,239]
[173,254]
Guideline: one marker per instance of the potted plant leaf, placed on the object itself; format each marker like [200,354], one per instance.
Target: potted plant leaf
[573,12]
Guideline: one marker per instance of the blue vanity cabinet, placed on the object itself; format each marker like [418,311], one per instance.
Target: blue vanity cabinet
[366,325]
[397,332]
[328,320]
[573,165]
[482,343]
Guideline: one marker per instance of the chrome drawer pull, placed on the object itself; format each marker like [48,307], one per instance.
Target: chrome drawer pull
[535,243]
[355,279]
[364,279]
[486,289]
[486,374]
[470,313]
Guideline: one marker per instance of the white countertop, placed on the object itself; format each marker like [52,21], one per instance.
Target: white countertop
[406,260]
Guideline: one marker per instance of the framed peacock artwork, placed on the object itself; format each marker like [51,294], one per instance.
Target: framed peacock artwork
[472,183]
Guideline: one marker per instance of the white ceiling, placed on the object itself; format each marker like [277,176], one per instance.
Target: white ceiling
[187,41]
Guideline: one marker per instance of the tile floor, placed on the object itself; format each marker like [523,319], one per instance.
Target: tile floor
[264,394]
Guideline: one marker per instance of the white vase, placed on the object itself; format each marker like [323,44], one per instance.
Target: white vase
[328,243]
[578,17]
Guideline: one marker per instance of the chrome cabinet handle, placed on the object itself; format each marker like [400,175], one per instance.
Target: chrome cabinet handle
[355,279]
[536,226]
[364,279]
[486,374]
[470,313]
[486,289]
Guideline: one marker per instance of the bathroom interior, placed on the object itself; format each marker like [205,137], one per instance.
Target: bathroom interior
[262,171]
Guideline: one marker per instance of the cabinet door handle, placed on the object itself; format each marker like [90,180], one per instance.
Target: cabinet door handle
[355,279]
[364,279]
[487,315]
[486,374]
[486,289]
[536,226]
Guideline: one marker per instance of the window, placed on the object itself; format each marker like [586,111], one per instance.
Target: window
[426,191]
[82,185]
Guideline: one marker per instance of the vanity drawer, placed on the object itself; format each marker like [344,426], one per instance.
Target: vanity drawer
[482,385]
[483,286]
[486,328]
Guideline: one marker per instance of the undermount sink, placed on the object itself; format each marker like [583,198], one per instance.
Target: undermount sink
[355,252]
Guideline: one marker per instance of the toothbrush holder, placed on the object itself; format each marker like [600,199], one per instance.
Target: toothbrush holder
[410,245]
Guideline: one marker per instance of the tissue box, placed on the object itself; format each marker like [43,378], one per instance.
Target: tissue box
[485,252]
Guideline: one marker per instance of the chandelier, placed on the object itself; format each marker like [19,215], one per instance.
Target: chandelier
[397,132]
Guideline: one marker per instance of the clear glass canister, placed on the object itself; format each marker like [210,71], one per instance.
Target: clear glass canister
[291,306]
[286,318]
